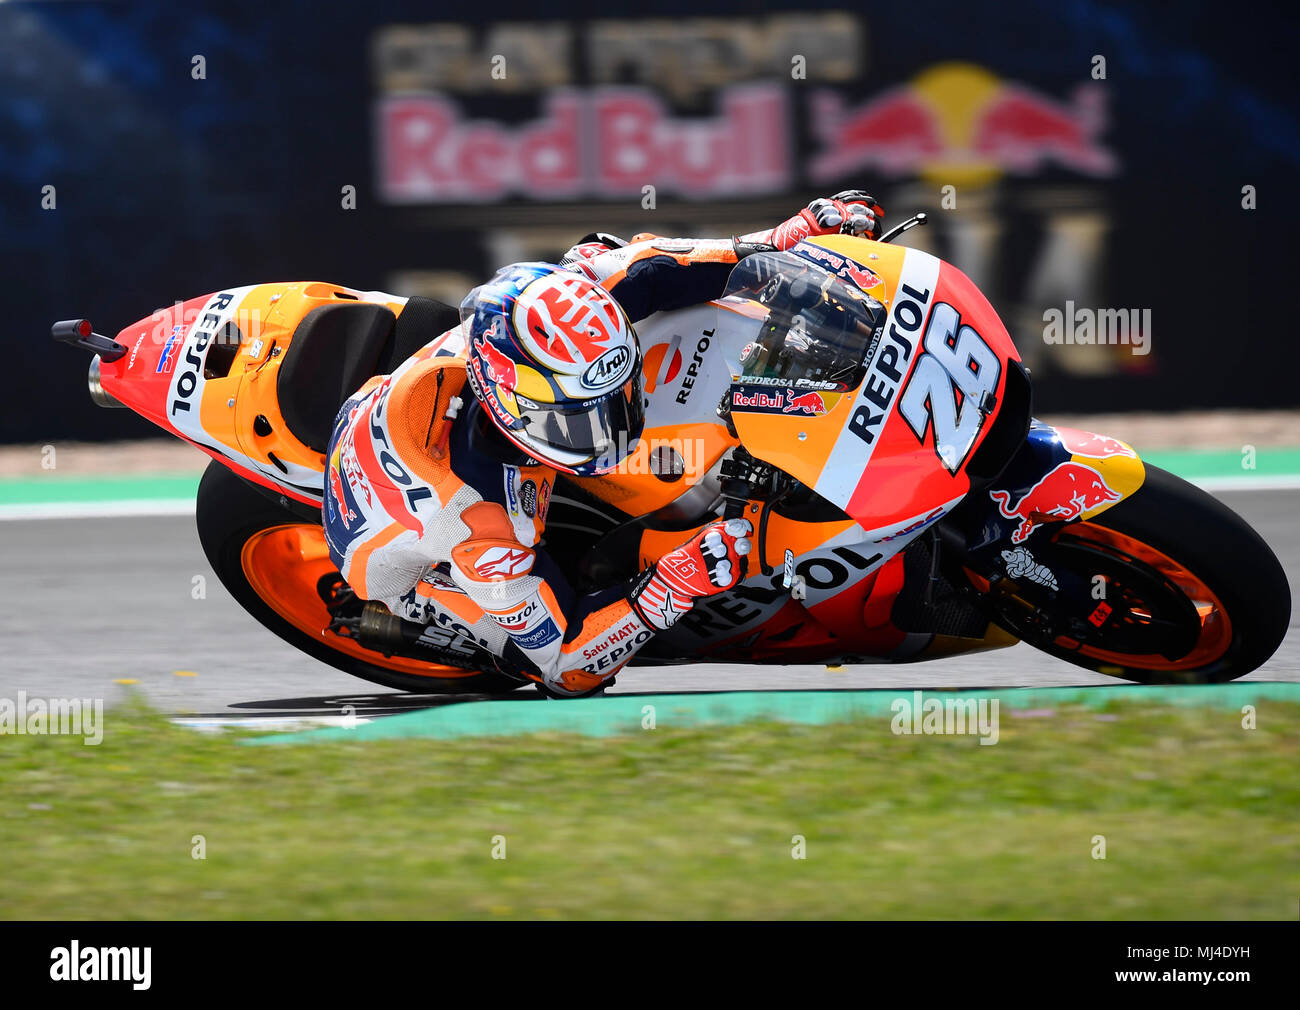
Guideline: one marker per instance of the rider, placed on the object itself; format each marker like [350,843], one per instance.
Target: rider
[436,494]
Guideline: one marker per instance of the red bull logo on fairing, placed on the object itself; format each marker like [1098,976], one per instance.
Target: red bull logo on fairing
[1085,443]
[1066,493]
[806,403]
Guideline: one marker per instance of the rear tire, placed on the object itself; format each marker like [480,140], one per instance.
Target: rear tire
[231,513]
[1190,539]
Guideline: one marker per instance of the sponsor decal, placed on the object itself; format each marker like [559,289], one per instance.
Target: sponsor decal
[540,637]
[512,482]
[517,619]
[661,364]
[914,526]
[1062,495]
[339,507]
[543,500]
[841,266]
[629,627]
[607,369]
[136,350]
[496,365]
[1098,617]
[1085,443]
[693,369]
[764,400]
[1021,565]
[503,562]
[528,498]
[204,330]
[811,402]
[167,360]
[891,362]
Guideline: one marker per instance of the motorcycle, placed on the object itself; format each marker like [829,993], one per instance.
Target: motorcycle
[859,401]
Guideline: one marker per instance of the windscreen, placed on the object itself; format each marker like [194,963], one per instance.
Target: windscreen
[816,329]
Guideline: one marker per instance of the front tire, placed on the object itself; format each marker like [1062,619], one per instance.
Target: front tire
[270,560]
[1191,593]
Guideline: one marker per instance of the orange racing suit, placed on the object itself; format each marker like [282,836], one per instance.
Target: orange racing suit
[418,516]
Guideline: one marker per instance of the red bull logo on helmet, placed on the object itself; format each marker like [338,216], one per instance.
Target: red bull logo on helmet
[1064,494]
[497,366]
[963,124]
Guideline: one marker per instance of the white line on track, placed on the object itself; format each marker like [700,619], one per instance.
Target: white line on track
[99,510]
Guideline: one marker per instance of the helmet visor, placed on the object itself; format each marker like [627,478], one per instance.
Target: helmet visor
[589,437]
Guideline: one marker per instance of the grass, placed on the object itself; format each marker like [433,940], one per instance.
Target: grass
[1199,817]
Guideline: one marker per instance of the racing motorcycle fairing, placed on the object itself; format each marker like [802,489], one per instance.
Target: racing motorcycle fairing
[1059,475]
[208,370]
[896,440]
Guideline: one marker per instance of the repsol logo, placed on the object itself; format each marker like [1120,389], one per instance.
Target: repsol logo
[387,459]
[204,330]
[718,616]
[693,369]
[890,364]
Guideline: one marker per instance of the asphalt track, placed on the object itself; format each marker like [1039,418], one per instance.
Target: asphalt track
[87,604]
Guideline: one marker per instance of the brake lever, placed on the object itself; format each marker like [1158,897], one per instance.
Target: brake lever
[908,225]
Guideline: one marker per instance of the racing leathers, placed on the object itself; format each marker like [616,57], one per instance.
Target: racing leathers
[431,512]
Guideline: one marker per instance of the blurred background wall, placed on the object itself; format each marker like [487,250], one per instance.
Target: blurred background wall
[194,147]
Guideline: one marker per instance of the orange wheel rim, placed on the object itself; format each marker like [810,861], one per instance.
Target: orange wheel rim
[1216,627]
[283,564]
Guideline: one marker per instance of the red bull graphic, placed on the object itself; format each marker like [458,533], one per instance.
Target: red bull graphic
[338,503]
[1085,443]
[808,403]
[964,123]
[497,366]
[1062,495]
[840,265]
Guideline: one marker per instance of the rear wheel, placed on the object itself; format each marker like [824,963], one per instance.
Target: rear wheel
[1167,586]
[273,562]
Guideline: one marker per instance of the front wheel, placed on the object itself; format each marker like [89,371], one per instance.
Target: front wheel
[1167,586]
[272,563]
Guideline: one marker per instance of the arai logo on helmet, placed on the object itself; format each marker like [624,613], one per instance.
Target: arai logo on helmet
[607,370]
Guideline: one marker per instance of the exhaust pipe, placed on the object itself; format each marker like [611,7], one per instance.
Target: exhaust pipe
[100,395]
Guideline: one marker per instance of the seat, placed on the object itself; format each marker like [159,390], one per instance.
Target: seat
[335,348]
[338,347]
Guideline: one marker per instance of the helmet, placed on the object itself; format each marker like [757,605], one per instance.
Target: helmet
[555,360]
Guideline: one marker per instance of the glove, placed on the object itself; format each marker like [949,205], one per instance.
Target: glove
[711,562]
[852,212]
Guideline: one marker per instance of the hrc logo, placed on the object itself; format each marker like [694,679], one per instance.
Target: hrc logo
[171,350]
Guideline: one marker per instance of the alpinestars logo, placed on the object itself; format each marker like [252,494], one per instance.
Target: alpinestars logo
[503,562]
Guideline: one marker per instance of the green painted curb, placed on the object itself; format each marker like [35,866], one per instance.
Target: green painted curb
[622,714]
[55,489]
